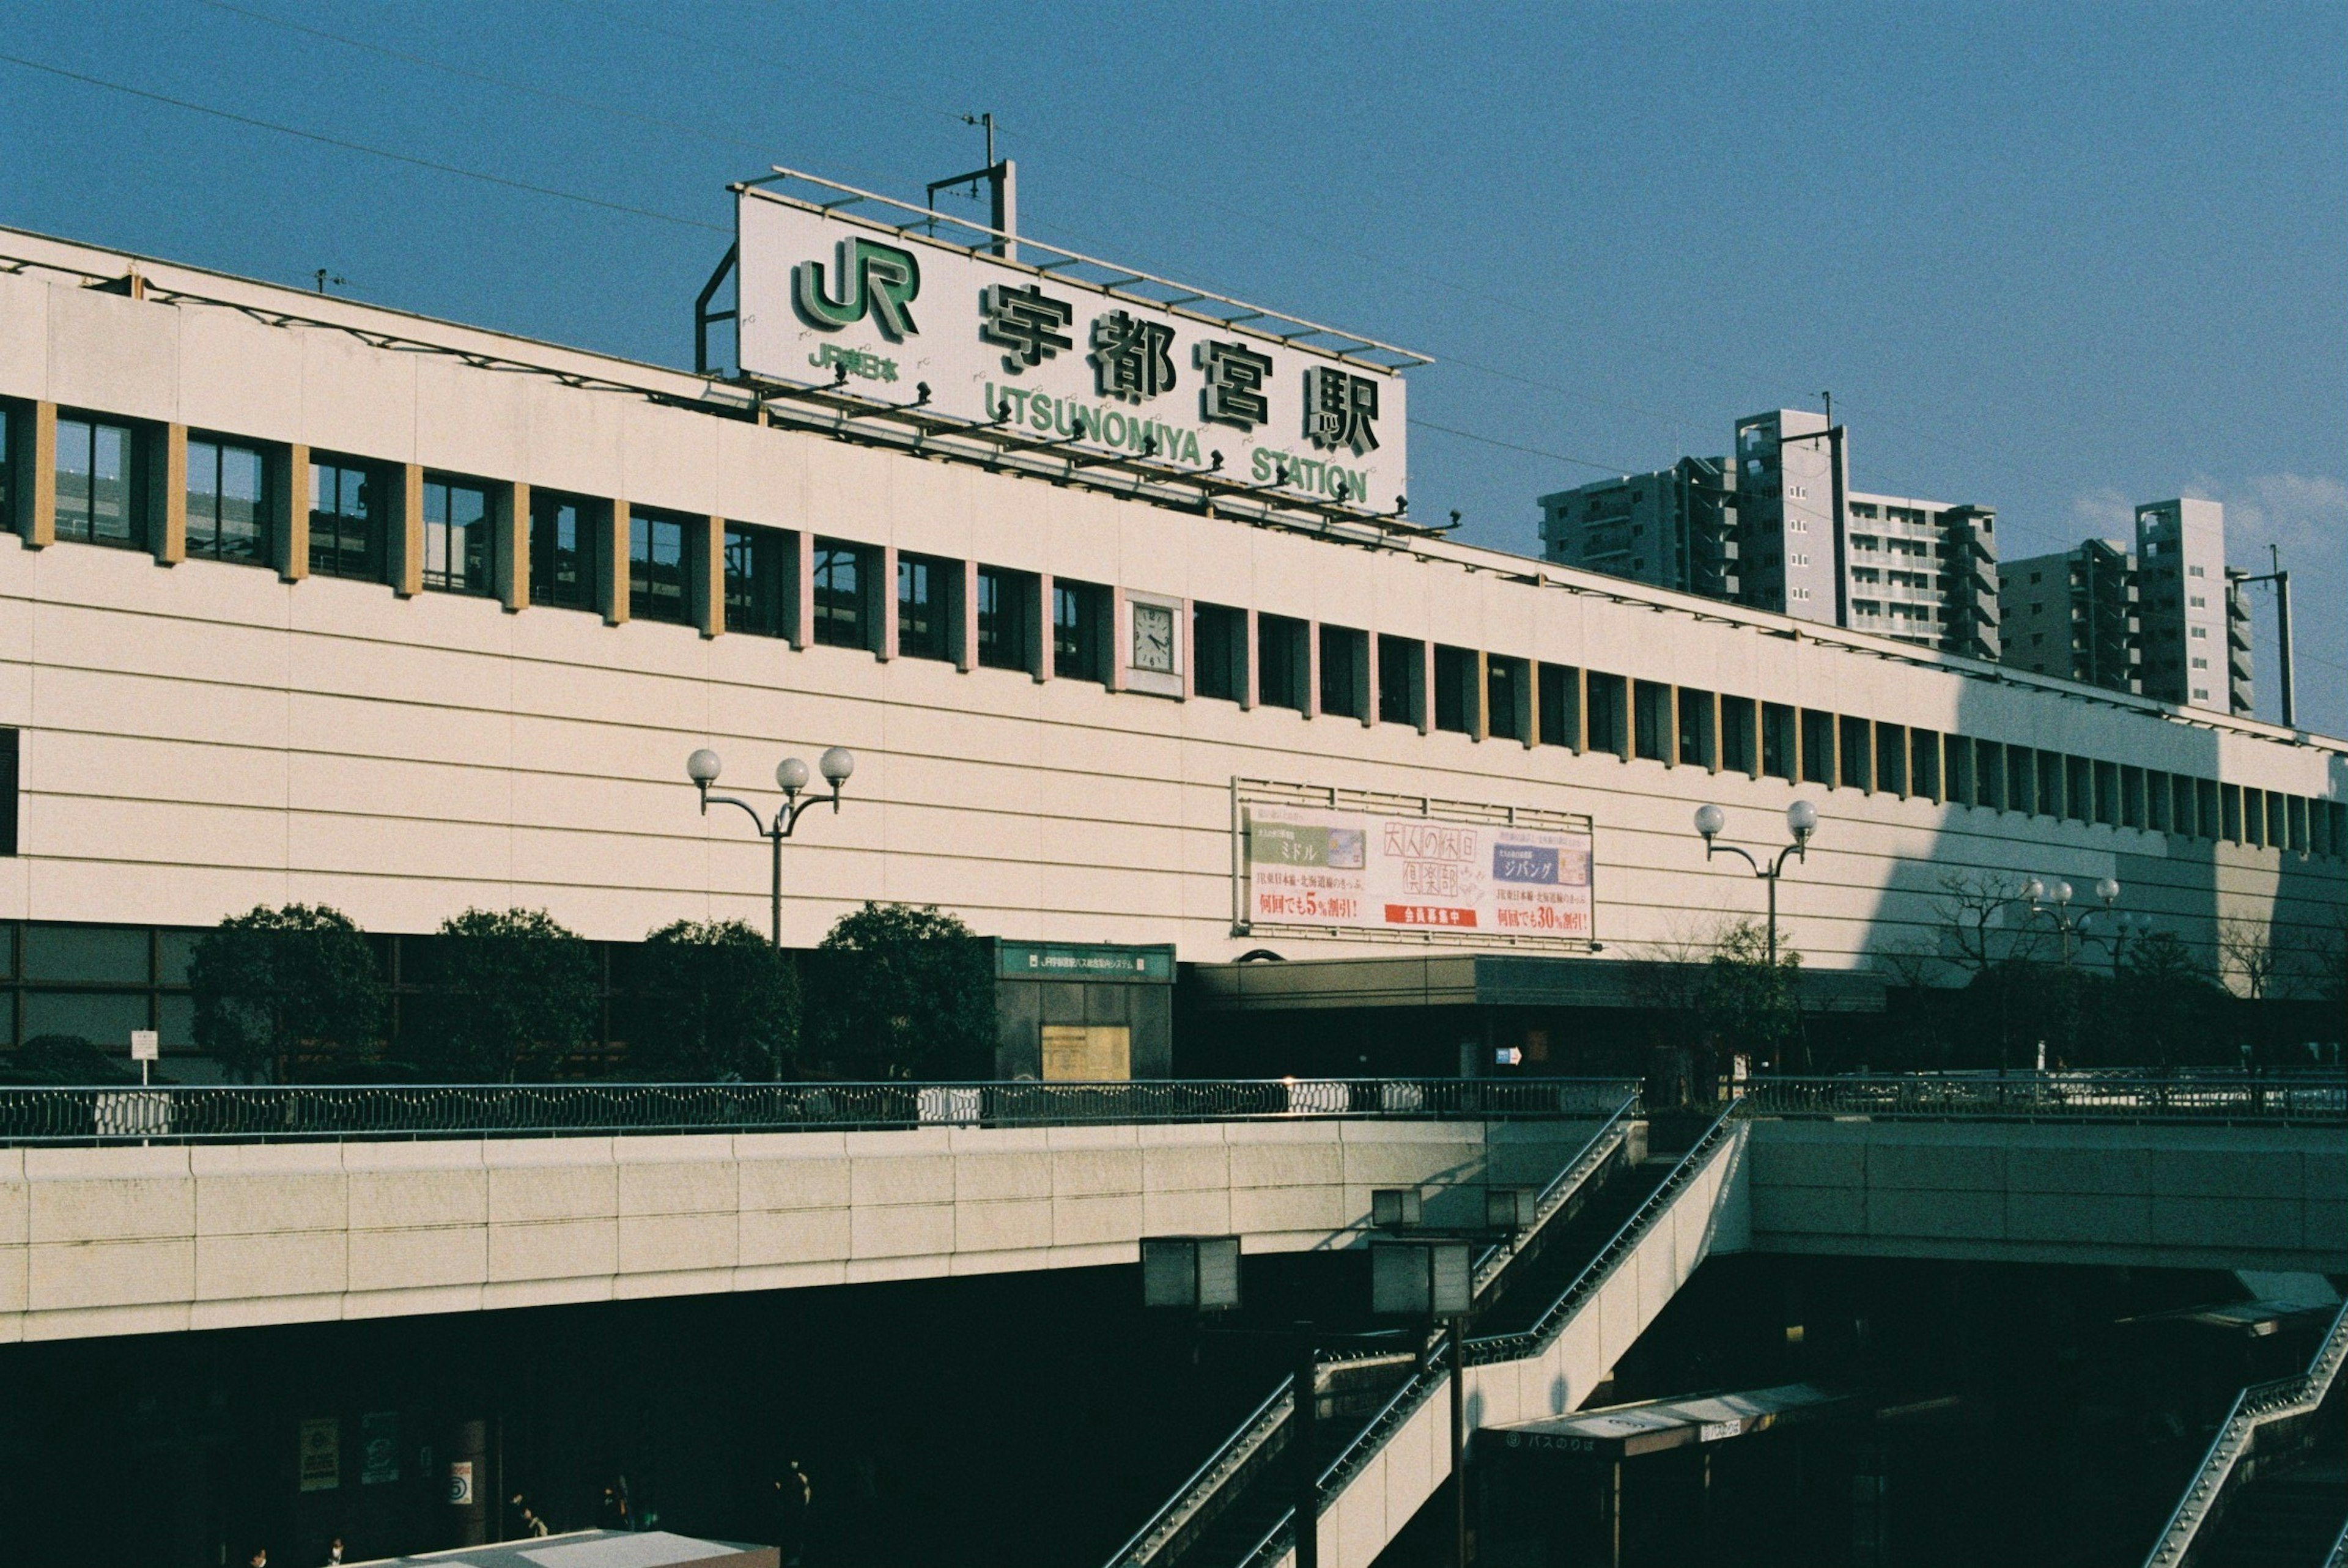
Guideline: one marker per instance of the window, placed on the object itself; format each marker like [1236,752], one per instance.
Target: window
[1281,661]
[346,525]
[1455,690]
[1561,705]
[1344,673]
[8,775]
[1505,698]
[2107,793]
[561,551]
[2193,572]
[228,510]
[2079,788]
[842,580]
[657,568]
[2022,779]
[1890,759]
[2159,801]
[1739,737]
[95,502]
[1401,673]
[1079,629]
[1608,703]
[1924,764]
[1695,728]
[2207,822]
[1778,751]
[1651,721]
[1992,777]
[7,472]
[1818,747]
[1858,771]
[1219,652]
[1006,618]
[460,542]
[2229,812]
[2199,632]
[925,607]
[758,578]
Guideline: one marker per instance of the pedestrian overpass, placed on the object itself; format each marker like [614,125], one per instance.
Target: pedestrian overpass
[128,1211]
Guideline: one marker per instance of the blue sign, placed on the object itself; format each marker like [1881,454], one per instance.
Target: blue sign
[1524,863]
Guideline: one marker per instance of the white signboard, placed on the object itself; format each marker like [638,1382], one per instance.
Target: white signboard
[1343,870]
[826,298]
[146,1045]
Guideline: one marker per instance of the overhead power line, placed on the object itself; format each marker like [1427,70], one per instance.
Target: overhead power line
[360,146]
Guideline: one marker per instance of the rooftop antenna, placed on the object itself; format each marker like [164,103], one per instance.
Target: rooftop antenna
[1830,402]
[2281,581]
[1001,178]
[327,275]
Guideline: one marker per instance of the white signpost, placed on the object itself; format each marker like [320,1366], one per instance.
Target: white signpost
[146,1047]
[826,298]
[1349,870]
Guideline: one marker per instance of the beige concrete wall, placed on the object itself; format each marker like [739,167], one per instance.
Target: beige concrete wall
[2154,1197]
[201,737]
[97,1241]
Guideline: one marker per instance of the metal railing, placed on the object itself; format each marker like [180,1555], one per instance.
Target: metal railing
[1193,1505]
[273,1113]
[2338,1557]
[2260,1406]
[2270,1099]
[1604,1145]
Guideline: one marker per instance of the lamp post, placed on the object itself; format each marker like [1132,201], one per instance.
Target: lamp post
[1801,820]
[791,777]
[2052,899]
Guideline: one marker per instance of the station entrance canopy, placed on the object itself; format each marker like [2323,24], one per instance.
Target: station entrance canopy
[1065,355]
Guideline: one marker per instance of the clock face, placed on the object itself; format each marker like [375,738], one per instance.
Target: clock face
[1153,638]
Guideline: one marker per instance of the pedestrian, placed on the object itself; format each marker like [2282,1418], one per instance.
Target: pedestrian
[260,1558]
[334,1553]
[531,1524]
[794,1496]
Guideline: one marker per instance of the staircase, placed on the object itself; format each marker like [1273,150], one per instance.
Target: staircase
[2286,1518]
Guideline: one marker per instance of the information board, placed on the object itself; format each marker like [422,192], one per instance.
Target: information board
[1353,870]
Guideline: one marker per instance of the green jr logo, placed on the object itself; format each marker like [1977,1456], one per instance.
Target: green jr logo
[875,280]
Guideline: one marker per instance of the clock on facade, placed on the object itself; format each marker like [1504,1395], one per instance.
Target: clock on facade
[1153,638]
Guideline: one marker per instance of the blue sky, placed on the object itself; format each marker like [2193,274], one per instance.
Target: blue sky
[2054,260]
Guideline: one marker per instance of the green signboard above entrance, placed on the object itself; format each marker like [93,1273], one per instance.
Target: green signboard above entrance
[1083,961]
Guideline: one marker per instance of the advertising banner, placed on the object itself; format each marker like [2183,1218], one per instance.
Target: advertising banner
[1354,870]
[826,300]
[322,1454]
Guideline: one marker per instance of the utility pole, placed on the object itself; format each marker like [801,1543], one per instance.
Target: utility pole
[2281,581]
[1001,178]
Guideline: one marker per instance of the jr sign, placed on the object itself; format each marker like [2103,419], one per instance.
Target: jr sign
[824,298]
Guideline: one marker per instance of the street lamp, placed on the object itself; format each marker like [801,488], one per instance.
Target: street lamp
[1801,821]
[791,777]
[2052,899]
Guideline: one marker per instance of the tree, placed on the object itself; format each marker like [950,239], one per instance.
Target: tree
[903,992]
[1752,1004]
[2165,1005]
[273,986]
[718,1002]
[508,982]
[63,1058]
[2259,951]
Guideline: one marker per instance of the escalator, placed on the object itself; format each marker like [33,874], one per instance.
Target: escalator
[2287,1517]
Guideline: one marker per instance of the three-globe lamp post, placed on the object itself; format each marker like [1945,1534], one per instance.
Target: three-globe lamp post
[791,777]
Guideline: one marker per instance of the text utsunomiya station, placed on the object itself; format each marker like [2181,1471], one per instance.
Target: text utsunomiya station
[404,616]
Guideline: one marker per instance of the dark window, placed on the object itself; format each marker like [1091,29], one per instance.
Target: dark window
[1989,779]
[1504,697]
[1219,644]
[842,584]
[2160,796]
[345,522]
[1778,751]
[8,791]
[1738,752]
[7,471]
[1280,660]
[2022,780]
[1561,704]
[2107,793]
[925,607]
[1695,727]
[1400,660]
[1890,759]
[2229,812]
[1006,618]
[1858,754]
[1924,764]
[1818,747]
[2208,821]
[2079,792]
[1344,673]
[1455,690]
[1080,630]
[758,598]
[95,501]
[2254,816]
[228,502]
[657,568]
[1651,721]
[460,540]
[562,550]
[1610,724]
[2050,785]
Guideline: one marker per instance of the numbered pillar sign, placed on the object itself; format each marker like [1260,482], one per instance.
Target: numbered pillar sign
[460,1482]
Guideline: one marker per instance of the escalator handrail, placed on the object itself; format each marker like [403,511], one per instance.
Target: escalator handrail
[2255,1405]
[1266,1418]
[1553,1197]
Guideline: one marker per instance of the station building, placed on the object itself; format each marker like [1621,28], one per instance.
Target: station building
[304,599]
